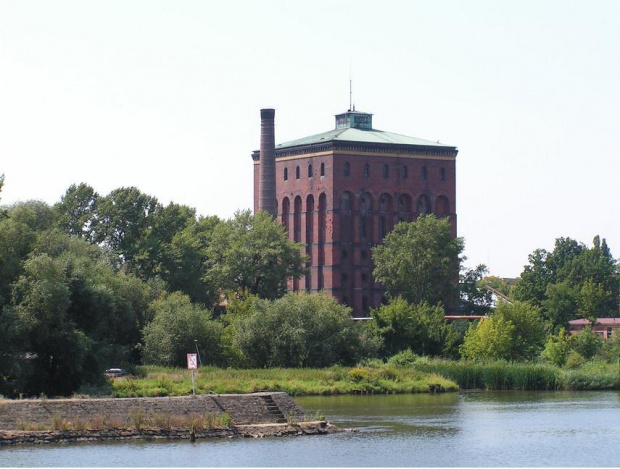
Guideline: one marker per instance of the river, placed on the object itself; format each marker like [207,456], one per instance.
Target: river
[464,429]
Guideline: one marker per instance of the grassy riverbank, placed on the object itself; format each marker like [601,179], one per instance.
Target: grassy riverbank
[149,381]
[156,381]
[525,376]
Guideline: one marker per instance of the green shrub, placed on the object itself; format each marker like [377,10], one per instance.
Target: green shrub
[575,360]
[403,358]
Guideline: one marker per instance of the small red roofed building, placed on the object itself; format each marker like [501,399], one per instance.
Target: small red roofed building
[605,327]
[340,192]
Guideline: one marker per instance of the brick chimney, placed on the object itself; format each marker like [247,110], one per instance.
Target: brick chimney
[267,184]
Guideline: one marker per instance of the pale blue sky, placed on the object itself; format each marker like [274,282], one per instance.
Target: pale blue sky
[165,96]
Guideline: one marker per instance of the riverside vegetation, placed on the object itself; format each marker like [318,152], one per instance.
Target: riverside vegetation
[96,282]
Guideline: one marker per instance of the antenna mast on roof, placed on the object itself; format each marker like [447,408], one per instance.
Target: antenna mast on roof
[351,105]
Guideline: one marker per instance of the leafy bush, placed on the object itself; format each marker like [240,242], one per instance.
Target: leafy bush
[299,330]
[404,358]
[575,360]
[176,325]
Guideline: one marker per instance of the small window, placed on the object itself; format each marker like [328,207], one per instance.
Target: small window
[364,254]
[424,173]
[297,172]
[405,172]
[366,170]
[610,331]
[344,254]
[386,171]
[322,169]
[364,278]
[442,174]
[309,171]
[347,169]
[286,174]
[344,278]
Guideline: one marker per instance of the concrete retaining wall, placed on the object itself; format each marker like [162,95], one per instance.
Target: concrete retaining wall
[244,409]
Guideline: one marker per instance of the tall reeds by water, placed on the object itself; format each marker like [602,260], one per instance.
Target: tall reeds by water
[503,375]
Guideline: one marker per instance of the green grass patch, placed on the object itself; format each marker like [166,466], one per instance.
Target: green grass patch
[157,381]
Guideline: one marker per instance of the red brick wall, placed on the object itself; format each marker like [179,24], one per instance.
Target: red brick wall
[350,278]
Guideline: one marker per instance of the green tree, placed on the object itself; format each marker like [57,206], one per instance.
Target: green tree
[534,280]
[420,261]
[593,301]
[557,348]
[475,298]
[300,330]
[77,211]
[124,216]
[490,339]
[60,350]
[513,332]
[586,343]
[188,264]
[251,254]
[560,304]
[402,326]
[592,273]
[176,325]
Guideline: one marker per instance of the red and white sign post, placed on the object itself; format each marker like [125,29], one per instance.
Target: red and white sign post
[192,364]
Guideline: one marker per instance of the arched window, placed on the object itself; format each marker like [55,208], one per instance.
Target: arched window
[297,172]
[423,205]
[386,171]
[442,205]
[366,170]
[286,174]
[345,201]
[442,174]
[309,170]
[347,169]
[404,203]
[322,169]
[424,173]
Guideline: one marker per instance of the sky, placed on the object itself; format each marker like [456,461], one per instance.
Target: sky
[165,96]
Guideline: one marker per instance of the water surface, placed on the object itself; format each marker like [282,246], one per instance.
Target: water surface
[468,429]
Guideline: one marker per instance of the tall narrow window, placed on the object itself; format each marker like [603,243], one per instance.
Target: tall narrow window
[347,169]
[297,172]
[386,171]
[286,174]
[424,173]
[322,169]
[404,172]
[309,171]
[442,174]
[366,170]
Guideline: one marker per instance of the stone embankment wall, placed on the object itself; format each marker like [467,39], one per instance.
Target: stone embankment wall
[244,409]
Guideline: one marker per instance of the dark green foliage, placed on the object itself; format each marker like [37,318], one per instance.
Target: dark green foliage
[176,328]
[572,281]
[77,211]
[420,261]
[299,330]
[454,337]
[587,343]
[402,326]
[475,298]
[251,254]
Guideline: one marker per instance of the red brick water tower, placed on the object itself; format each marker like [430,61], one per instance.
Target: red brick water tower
[340,192]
